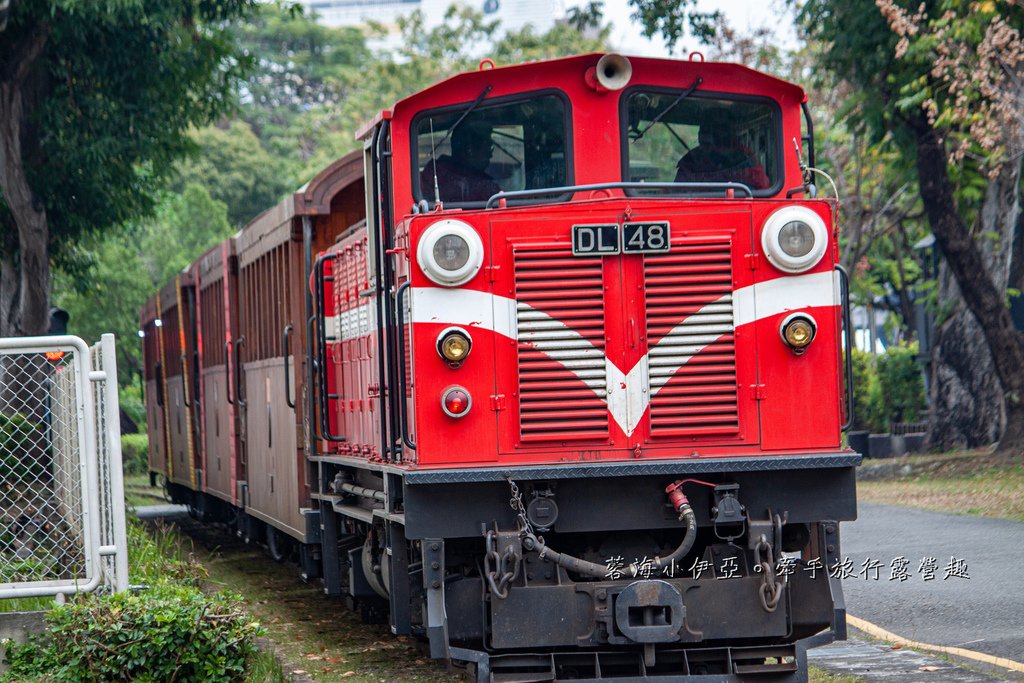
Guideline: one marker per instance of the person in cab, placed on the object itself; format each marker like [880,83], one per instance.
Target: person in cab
[721,157]
[462,175]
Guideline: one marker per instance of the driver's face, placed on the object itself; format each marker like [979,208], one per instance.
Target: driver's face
[477,152]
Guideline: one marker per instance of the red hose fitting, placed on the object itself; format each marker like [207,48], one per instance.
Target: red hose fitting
[676,495]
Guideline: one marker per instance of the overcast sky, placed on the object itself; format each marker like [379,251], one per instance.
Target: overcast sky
[744,15]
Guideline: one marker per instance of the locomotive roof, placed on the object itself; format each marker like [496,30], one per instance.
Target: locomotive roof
[717,76]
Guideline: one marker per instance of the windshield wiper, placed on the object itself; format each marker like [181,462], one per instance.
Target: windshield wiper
[433,150]
[682,96]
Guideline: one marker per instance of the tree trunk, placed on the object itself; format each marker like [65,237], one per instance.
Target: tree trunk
[25,293]
[981,267]
[965,396]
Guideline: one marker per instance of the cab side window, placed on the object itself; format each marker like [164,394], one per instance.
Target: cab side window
[507,146]
[701,139]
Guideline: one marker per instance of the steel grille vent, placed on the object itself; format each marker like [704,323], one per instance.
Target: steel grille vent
[690,324]
[560,316]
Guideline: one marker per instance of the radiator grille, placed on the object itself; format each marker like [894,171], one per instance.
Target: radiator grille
[690,324]
[560,323]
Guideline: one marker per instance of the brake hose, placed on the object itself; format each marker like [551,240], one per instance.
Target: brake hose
[600,571]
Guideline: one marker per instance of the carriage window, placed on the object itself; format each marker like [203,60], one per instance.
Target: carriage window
[513,146]
[700,139]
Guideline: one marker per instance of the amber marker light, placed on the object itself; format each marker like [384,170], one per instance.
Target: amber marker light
[798,332]
[54,356]
[454,345]
[456,401]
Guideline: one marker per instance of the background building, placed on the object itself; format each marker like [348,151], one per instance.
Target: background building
[513,14]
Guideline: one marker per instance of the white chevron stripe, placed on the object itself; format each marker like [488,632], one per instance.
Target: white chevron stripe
[628,394]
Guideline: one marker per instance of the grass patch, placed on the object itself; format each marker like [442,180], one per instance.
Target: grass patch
[138,492]
[26,604]
[976,483]
[315,634]
[818,675]
[263,668]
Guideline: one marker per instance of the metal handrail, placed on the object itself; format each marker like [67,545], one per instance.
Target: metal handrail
[403,412]
[184,381]
[239,343]
[623,185]
[285,336]
[227,371]
[324,431]
[844,280]
[159,369]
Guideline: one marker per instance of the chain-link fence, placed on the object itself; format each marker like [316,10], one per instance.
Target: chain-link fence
[61,494]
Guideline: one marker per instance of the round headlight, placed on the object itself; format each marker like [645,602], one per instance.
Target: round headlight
[794,239]
[454,344]
[450,252]
[798,331]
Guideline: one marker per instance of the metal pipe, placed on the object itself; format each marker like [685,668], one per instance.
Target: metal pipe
[619,185]
[844,280]
[373,226]
[600,571]
[810,134]
[363,492]
[403,411]
[309,378]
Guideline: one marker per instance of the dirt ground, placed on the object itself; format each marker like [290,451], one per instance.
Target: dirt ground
[966,482]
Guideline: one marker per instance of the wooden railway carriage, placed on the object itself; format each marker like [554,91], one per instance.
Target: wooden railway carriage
[251,298]
[222,465]
[152,375]
[273,394]
[170,351]
[575,385]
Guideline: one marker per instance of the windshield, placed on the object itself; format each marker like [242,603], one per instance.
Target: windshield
[702,139]
[518,145]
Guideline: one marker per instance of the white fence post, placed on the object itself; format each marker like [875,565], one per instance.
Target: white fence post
[113,533]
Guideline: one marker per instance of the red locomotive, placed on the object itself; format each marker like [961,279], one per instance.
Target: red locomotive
[549,375]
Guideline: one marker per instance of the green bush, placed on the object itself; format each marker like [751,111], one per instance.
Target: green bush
[130,398]
[168,633]
[867,395]
[901,384]
[135,453]
[887,388]
[19,443]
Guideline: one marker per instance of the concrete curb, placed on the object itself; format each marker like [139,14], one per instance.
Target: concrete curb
[19,626]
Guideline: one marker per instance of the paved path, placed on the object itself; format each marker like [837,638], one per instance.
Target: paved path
[879,663]
[984,613]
